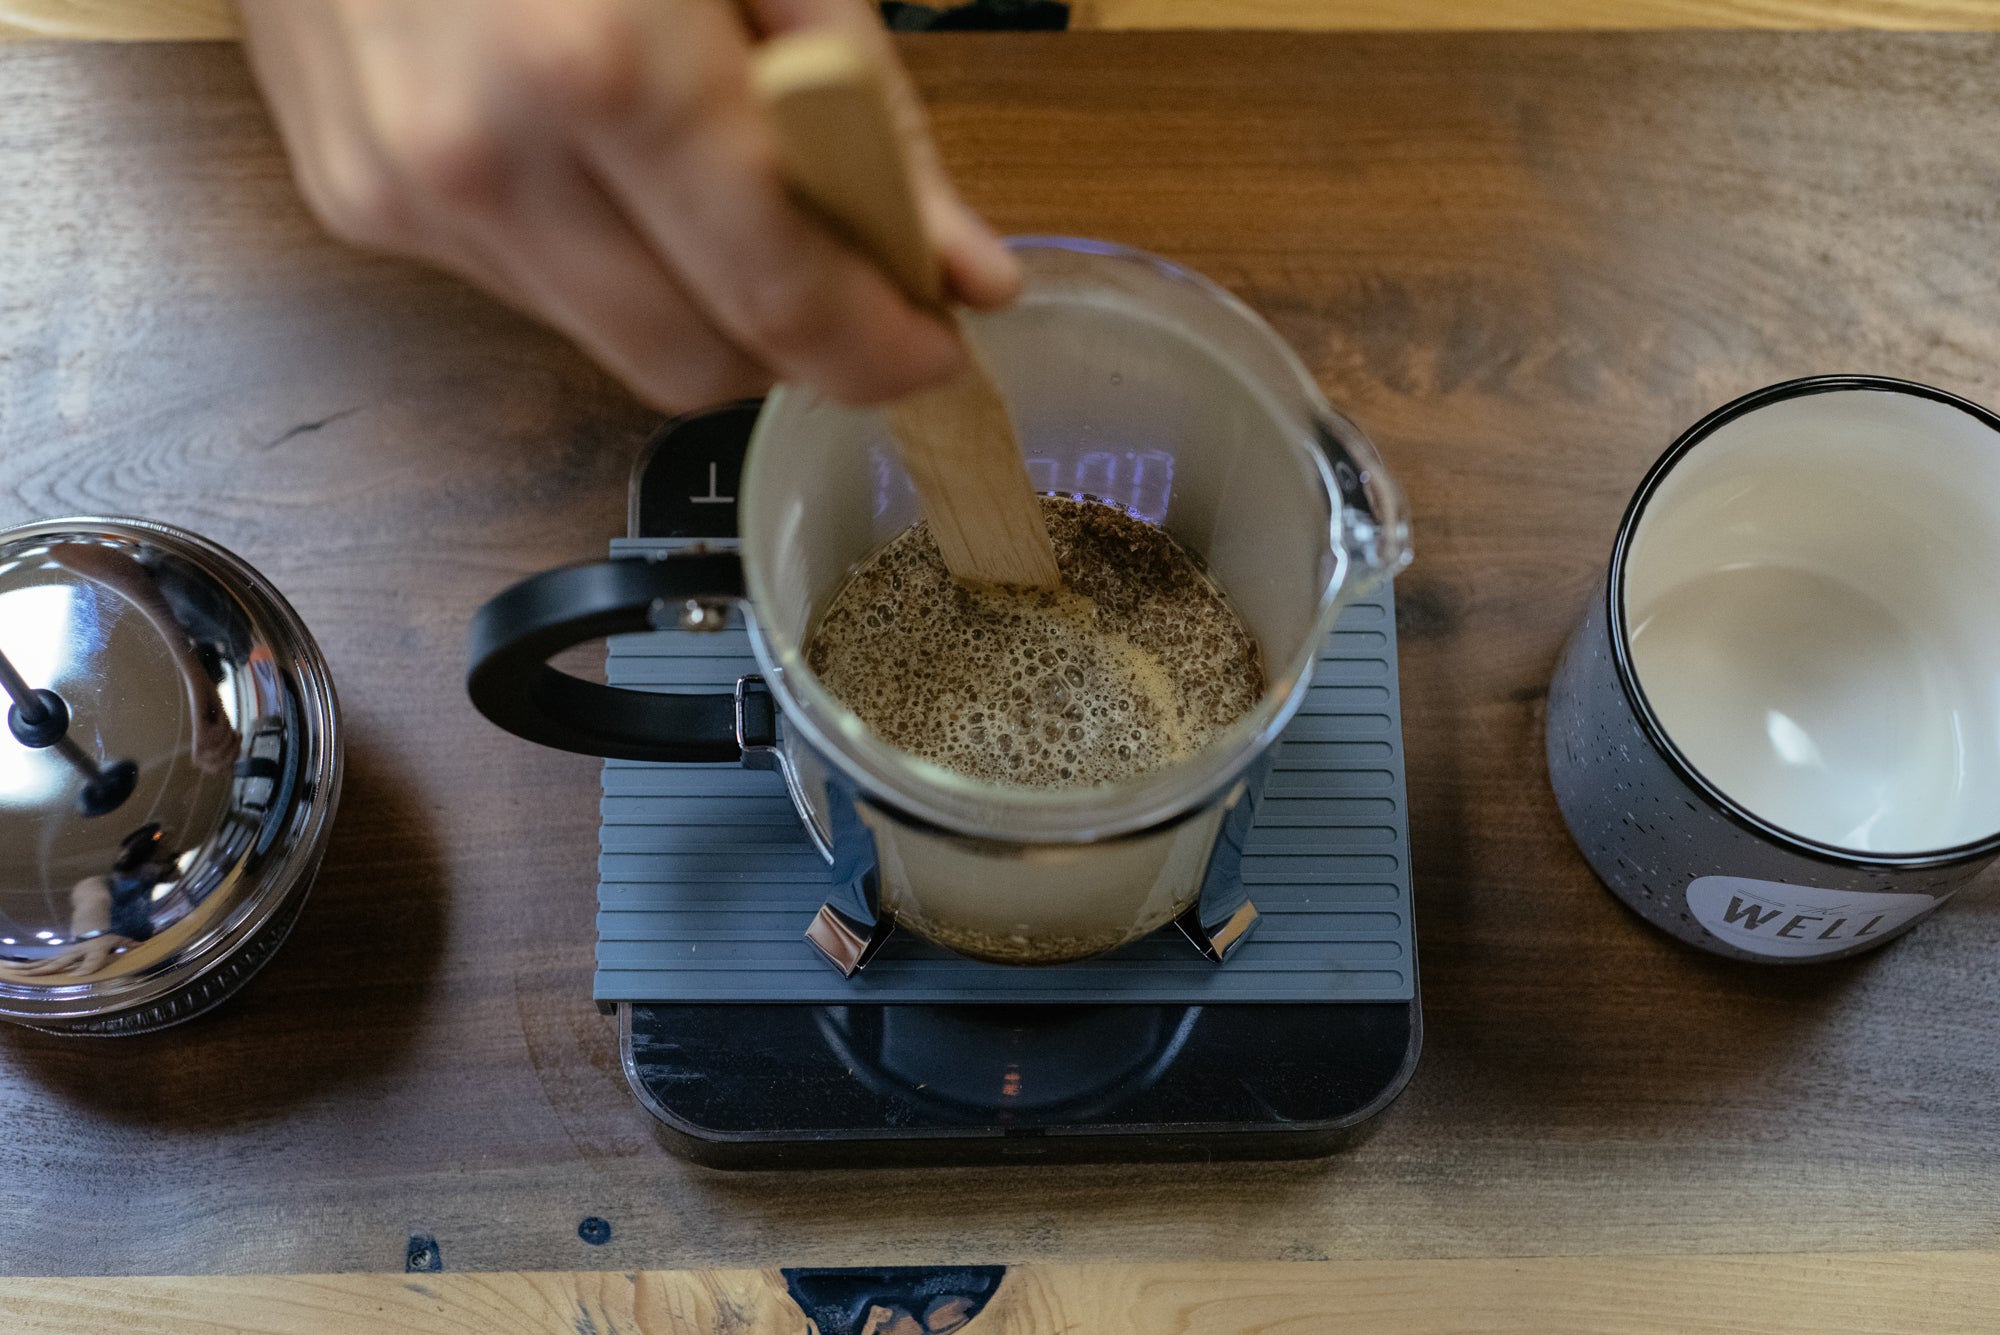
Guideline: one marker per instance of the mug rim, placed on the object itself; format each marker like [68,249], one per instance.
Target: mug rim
[1621,654]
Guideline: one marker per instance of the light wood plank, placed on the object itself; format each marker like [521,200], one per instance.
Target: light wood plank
[1877,1293]
[143,20]
[1492,15]
[118,20]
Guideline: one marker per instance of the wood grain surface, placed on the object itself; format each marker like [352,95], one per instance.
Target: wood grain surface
[1865,1294]
[1523,263]
[154,20]
[1494,15]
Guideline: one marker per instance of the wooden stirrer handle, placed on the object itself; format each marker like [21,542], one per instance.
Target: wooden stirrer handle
[841,153]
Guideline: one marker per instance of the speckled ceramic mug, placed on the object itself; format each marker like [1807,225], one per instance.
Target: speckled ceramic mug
[1777,733]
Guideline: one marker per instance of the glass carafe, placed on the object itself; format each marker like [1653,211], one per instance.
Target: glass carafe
[1131,381]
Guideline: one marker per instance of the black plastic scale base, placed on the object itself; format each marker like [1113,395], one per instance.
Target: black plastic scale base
[796,1085]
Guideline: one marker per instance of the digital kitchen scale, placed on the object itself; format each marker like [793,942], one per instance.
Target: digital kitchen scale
[752,1051]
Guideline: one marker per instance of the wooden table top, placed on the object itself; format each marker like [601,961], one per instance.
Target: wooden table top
[1523,263]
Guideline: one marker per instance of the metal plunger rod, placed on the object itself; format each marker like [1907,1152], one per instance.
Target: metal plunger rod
[40,719]
[78,758]
[26,699]
[37,718]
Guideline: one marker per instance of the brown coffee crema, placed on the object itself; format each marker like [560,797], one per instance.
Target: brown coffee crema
[1135,663]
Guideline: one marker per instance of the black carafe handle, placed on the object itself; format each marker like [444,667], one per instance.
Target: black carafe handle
[516,634]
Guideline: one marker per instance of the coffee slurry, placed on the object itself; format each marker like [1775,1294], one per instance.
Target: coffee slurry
[1134,664]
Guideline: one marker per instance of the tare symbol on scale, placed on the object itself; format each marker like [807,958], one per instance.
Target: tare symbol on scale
[690,489]
[712,496]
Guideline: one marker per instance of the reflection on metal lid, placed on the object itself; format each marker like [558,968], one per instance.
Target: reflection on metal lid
[178,742]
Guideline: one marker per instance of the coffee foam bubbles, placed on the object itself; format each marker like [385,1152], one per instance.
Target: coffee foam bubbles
[1135,663]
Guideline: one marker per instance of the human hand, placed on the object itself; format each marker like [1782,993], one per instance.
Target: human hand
[215,745]
[602,164]
[92,944]
[75,961]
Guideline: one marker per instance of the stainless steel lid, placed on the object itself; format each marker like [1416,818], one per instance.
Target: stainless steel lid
[168,768]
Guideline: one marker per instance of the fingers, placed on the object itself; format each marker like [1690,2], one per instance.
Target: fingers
[601,164]
[510,204]
[583,264]
[76,959]
[698,177]
[317,111]
[979,270]
[304,58]
[440,146]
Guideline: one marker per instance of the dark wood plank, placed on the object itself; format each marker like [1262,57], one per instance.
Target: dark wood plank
[1523,263]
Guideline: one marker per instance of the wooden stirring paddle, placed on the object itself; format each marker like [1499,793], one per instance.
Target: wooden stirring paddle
[841,154]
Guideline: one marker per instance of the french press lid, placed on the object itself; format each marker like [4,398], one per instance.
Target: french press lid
[168,767]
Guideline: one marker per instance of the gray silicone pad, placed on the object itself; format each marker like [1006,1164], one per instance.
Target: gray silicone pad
[707,881]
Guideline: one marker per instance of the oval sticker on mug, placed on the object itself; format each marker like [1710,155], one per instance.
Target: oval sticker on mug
[1797,921]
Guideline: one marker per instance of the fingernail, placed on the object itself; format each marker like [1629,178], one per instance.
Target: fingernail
[1002,258]
[991,273]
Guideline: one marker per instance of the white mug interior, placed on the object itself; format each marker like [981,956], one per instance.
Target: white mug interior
[1811,599]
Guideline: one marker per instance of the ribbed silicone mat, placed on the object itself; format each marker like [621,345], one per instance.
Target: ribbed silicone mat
[707,881]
